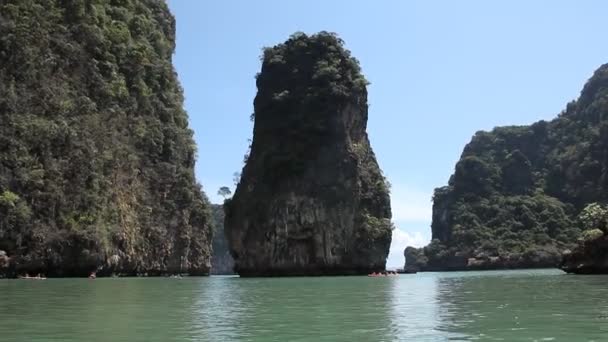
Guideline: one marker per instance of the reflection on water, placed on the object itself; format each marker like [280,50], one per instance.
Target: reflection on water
[413,308]
[225,321]
[85,310]
[537,305]
[532,305]
[285,309]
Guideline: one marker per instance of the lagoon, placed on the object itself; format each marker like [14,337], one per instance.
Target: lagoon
[523,305]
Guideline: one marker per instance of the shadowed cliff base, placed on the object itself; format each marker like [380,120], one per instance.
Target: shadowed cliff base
[311,199]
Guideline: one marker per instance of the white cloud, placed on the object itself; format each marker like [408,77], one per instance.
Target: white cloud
[410,205]
[402,239]
[412,212]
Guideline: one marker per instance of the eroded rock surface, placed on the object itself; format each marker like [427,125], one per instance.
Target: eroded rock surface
[312,199]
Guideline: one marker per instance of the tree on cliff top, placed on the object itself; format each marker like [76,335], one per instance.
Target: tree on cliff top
[224,191]
[311,77]
[594,216]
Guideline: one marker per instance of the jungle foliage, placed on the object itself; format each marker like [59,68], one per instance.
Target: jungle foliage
[96,157]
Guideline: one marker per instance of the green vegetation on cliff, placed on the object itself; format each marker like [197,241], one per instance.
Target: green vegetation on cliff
[311,199]
[515,195]
[303,83]
[96,157]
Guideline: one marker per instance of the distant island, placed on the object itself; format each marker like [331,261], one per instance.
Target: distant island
[521,196]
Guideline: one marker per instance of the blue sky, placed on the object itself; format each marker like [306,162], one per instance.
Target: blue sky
[439,72]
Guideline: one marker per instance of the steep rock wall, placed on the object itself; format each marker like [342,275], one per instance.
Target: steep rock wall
[312,199]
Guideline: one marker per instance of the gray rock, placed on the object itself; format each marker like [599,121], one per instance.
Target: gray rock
[312,199]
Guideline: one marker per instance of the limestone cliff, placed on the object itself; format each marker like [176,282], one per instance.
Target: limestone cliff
[96,156]
[516,192]
[312,199]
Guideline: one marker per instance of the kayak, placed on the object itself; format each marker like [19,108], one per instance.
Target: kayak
[32,278]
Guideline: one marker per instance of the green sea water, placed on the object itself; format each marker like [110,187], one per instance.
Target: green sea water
[531,305]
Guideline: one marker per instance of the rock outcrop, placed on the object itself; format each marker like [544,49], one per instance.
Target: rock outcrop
[516,193]
[5,263]
[589,257]
[96,157]
[221,260]
[312,199]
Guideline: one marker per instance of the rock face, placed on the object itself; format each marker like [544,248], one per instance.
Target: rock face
[221,260]
[96,157]
[4,263]
[516,193]
[312,199]
[415,260]
[589,257]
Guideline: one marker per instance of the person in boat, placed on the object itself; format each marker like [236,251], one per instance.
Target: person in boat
[27,276]
[93,275]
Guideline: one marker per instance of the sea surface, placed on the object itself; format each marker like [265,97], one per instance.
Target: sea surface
[529,305]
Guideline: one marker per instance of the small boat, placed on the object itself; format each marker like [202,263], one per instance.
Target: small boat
[383,274]
[38,277]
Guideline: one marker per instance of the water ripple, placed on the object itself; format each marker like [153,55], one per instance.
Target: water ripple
[535,305]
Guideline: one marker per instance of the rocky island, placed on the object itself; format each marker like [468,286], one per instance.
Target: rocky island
[311,199]
[96,156]
[517,194]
